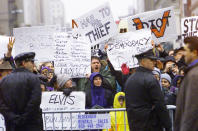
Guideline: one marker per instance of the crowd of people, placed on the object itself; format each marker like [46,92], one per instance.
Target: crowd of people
[142,90]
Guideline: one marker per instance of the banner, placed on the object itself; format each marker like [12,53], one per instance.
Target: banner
[124,47]
[4,40]
[38,39]
[97,25]
[189,27]
[72,55]
[56,101]
[161,22]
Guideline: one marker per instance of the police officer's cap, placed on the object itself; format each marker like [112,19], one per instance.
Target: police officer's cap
[148,54]
[27,56]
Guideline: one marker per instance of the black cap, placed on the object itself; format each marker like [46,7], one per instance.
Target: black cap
[148,54]
[27,56]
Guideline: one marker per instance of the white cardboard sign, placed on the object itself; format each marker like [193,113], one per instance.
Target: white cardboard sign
[97,25]
[4,40]
[189,27]
[72,55]
[57,101]
[161,22]
[124,47]
[38,39]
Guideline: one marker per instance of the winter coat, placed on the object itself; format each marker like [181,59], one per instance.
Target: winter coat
[119,120]
[104,95]
[84,84]
[145,104]
[186,118]
[20,99]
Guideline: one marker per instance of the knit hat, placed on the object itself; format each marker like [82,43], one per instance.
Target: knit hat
[167,77]
[61,80]
[156,71]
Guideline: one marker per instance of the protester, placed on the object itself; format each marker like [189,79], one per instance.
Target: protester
[20,96]
[98,96]
[65,84]
[5,69]
[84,84]
[119,120]
[144,100]
[169,95]
[171,66]
[187,106]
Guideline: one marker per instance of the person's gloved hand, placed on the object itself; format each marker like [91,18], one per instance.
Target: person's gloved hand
[125,69]
[67,91]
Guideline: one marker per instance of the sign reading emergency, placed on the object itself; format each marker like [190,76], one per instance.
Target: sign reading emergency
[97,25]
[161,22]
[189,26]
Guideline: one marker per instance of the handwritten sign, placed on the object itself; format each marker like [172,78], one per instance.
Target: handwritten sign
[124,47]
[94,121]
[2,123]
[72,55]
[98,24]
[161,22]
[38,39]
[3,45]
[56,101]
[189,26]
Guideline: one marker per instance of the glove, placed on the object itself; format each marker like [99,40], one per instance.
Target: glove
[67,91]
[125,69]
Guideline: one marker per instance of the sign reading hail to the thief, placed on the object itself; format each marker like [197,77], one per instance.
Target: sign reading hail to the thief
[161,22]
[97,25]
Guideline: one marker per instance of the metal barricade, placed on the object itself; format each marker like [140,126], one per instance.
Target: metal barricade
[72,113]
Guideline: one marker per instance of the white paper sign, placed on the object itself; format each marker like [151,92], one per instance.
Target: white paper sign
[189,26]
[2,123]
[38,39]
[97,25]
[124,47]
[72,55]
[56,101]
[3,45]
[161,22]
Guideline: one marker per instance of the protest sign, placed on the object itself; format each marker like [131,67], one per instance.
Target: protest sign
[189,27]
[2,123]
[124,47]
[4,40]
[56,101]
[97,25]
[72,55]
[161,22]
[38,39]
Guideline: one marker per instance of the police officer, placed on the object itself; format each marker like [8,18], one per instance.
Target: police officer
[20,96]
[144,99]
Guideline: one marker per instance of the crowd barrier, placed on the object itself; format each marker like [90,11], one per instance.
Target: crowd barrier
[88,119]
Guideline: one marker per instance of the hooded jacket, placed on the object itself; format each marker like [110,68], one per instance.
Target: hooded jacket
[98,95]
[119,119]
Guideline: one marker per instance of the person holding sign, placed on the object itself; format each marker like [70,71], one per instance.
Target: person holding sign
[65,84]
[84,84]
[20,96]
[145,104]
